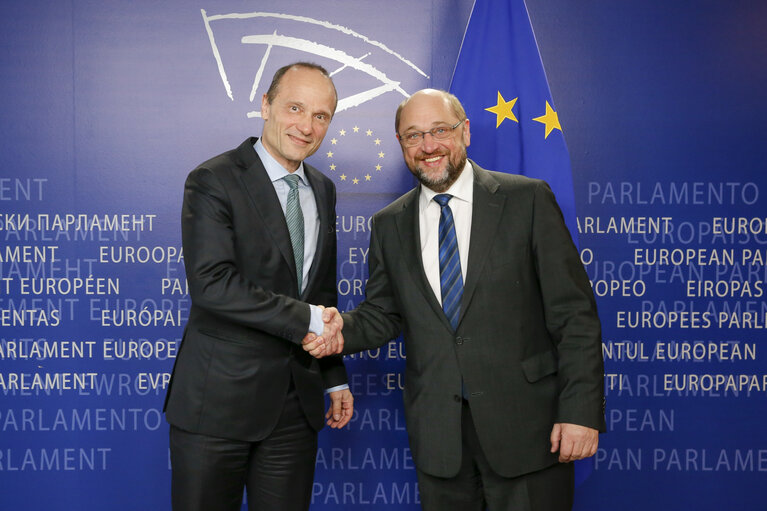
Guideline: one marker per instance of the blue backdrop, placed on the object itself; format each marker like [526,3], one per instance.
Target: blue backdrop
[106,106]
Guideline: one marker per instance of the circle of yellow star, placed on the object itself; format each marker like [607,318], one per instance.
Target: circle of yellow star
[333,166]
[502,110]
[550,119]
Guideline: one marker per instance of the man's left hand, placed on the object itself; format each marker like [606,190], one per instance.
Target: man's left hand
[341,408]
[573,442]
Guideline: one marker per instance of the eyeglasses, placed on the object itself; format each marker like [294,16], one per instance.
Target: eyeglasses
[414,138]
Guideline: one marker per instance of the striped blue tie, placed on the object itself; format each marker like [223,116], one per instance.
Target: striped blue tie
[450,278]
[295,219]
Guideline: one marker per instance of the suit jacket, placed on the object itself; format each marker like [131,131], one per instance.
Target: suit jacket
[242,343]
[528,342]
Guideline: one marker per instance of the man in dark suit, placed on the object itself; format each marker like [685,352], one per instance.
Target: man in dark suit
[245,401]
[504,375]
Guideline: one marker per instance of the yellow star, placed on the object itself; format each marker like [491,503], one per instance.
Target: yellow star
[355,181]
[334,141]
[343,177]
[502,110]
[378,141]
[356,129]
[369,133]
[342,132]
[333,166]
[551,120]
[330,154]
[367,177]
[381,155]
[378,167]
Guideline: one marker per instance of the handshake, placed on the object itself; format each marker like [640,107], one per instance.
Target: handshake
[331,342]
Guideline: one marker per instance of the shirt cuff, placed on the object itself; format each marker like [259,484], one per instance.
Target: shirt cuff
[316,325]
[337,388]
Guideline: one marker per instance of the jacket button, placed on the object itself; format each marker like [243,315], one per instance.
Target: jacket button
[459,340]
[456,398]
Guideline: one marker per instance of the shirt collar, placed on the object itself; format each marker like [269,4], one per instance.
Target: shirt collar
[274,170]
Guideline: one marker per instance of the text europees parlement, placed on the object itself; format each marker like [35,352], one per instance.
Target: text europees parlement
[692,319]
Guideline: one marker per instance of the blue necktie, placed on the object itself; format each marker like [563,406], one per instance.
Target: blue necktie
[450,278]
[295,219]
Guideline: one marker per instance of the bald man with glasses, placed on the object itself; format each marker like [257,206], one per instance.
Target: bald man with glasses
[504,373]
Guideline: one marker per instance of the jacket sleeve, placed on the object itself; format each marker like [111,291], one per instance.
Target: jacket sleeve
[376,320]
[571,315]
[332,368]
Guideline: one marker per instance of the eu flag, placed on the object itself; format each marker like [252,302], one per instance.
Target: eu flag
[500,81]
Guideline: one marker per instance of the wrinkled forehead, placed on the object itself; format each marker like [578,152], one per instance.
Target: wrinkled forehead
[426,111]
[306,83]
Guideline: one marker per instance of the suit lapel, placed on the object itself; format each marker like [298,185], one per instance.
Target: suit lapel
[322,200]
[265,201]
[410,244]
[485,221]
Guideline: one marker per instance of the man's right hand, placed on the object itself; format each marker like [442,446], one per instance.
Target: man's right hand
[331,342]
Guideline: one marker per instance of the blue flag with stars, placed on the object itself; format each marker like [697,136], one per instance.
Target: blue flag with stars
[500,81]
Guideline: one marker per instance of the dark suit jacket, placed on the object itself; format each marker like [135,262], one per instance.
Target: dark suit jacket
[242,342]
[528,344]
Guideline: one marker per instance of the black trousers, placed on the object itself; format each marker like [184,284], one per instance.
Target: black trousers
[477,487]
[209,473]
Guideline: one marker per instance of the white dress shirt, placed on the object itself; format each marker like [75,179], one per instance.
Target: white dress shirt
[428,221]
[276,173]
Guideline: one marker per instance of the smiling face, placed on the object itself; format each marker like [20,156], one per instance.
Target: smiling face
[296,120]
[436,163]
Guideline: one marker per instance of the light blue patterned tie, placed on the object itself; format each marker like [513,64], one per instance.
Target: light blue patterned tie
[450,278]
[295,219]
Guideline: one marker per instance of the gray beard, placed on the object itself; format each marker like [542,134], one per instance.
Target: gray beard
[442,183]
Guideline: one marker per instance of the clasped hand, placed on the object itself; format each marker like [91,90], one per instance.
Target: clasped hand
[331,342]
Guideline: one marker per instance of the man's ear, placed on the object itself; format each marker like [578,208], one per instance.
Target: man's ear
[264,107]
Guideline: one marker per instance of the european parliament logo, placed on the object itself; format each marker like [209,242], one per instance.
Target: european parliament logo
[360,149]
